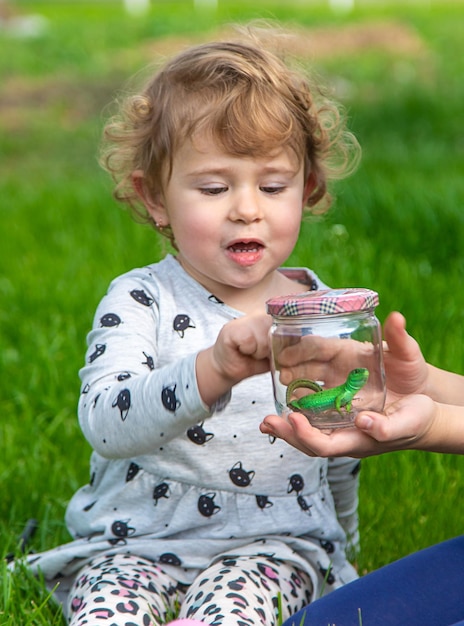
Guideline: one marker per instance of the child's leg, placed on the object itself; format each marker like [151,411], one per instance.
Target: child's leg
[247,591]
[123,589]
[185,622]
[423,588]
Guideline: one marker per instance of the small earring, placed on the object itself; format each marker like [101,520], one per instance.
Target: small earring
[159,226]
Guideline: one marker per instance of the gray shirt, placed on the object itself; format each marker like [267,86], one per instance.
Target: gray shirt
[177,481]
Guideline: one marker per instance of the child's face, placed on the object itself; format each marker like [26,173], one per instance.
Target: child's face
[235,219]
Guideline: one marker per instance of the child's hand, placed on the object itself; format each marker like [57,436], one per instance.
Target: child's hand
[405,367]
[326,357]
[241,350]
[408,423]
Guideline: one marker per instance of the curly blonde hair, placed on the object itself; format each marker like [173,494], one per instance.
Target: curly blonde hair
[245,97]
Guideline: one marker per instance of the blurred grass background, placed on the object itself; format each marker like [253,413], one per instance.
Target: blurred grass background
[396,226]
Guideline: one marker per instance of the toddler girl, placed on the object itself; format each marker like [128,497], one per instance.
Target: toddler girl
[189,508]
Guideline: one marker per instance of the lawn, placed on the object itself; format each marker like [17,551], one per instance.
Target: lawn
[396,226]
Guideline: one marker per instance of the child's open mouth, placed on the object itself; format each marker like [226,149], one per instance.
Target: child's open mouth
[245,252]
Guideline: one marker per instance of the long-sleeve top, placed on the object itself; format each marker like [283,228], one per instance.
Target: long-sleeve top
[179,482]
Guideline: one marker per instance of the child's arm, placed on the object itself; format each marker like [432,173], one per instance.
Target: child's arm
[136,397]
[445,387]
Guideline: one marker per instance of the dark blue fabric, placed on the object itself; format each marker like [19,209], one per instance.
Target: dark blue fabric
[423,589]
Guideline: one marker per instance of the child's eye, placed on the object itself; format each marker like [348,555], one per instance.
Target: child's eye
[212,191]
[273,190]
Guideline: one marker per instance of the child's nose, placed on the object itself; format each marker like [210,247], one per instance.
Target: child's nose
[246,207]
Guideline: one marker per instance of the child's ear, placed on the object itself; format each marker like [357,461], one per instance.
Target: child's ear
[309,187]
[152,202]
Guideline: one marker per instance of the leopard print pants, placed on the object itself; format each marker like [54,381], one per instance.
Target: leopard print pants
[126,590]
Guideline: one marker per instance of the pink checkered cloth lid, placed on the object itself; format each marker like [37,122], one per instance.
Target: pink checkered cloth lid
[325,302]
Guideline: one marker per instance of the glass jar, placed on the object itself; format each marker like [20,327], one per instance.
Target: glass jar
[327,359]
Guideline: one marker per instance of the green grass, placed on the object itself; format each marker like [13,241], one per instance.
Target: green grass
[397,226]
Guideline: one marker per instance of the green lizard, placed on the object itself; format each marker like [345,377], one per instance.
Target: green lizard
[324,399]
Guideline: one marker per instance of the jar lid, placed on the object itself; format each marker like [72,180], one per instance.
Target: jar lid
[325,302]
